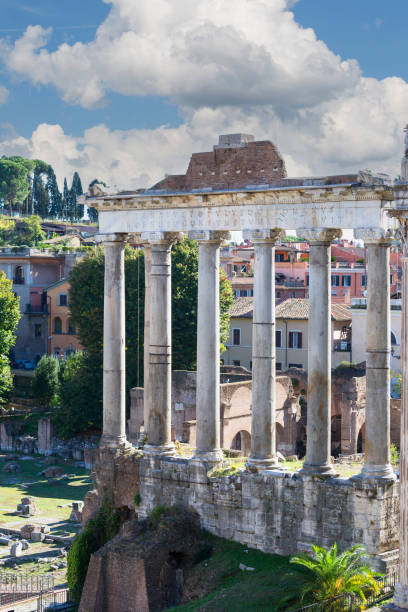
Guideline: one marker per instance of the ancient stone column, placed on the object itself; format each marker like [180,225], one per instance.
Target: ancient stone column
[158,407]
[319,352]
[146,336]
[114,390]
[378,347]
[208,345]
[263,427]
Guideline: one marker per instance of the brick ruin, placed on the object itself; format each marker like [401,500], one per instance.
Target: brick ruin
[237,160]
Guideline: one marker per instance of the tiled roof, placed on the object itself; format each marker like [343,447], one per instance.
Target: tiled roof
[242,307]
[293,308]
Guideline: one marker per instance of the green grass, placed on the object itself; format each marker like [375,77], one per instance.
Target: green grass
[230,589]
[48,497]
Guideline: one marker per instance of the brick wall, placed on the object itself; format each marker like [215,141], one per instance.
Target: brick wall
[253,163]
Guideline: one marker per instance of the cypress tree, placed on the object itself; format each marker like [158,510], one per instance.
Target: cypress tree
[54,194]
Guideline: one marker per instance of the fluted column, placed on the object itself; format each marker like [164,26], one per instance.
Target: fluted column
[114,374]
[378,347]
[319,352]
[263,426]
[158,406]
[208,345]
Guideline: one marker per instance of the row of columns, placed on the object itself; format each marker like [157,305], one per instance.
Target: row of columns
[263,432]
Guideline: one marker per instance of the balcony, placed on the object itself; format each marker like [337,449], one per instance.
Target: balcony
[36,309]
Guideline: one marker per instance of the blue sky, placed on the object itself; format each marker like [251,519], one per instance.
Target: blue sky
[247,81]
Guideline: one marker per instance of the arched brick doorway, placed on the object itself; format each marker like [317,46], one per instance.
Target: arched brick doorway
[242,442]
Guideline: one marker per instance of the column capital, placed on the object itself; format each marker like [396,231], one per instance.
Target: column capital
[162,237]
[374,235]
[319,235]
[264,235]
[215,236]
[112,238]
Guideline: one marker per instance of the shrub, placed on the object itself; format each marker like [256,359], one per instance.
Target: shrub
[394,454]
[45,382]
[96,534]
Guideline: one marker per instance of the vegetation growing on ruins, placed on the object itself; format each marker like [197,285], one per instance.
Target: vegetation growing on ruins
[9,318]
[99,530]
[330,574]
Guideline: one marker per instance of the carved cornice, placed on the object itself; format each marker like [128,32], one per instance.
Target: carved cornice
[320,235]
[300,195]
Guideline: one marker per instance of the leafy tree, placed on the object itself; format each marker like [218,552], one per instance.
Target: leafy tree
[9,318]
[7,228]
[30,232]
[45,383]
[330,574]
[14,185]
[80,399]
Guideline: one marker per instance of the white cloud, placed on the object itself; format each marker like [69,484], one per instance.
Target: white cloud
[231,65]
[202,53]
[4,94]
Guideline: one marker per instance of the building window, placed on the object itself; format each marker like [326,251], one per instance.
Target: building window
[243,269]
[390,279]
[292,294]
[278,338]
[296,365]
[346,280]
[295,339]
[18,275]
[307,280]
[251,293]
[62,299]
[278,294]
[71,328]
[335,280]
[279,257]
[236,337]
[243,293]
[57,326]
[250,365]
[363,280]
[37,330]
[236,362]
[278,366]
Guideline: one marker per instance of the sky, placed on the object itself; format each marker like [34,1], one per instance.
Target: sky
[125,90]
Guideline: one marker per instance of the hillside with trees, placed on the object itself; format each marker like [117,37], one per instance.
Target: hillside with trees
[30,187]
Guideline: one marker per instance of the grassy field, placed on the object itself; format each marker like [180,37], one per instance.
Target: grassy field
[48,498]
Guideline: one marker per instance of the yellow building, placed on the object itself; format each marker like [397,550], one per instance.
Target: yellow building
[62,335]
[291,334]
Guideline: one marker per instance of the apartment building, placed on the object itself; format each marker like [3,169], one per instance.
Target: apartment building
[62,333]
[291,334]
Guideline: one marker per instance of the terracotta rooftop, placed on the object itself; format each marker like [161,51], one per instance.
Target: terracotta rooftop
[292,308]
